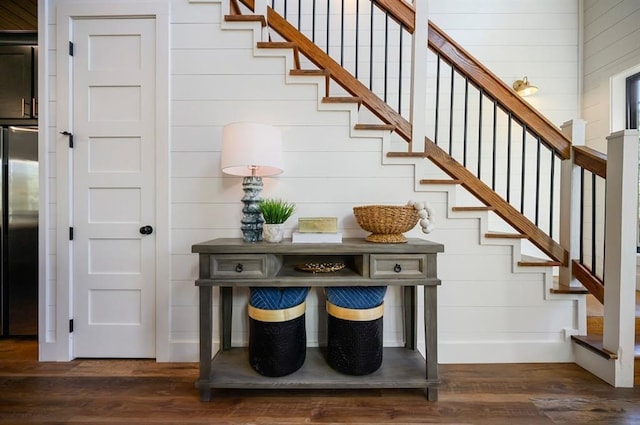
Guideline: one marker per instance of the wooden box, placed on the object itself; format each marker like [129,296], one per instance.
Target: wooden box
[317,224]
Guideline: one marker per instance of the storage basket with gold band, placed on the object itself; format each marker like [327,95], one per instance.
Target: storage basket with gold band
[354,328]
[277,333]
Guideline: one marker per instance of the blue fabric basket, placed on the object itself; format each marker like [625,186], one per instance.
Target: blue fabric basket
[358,297]
[272,298]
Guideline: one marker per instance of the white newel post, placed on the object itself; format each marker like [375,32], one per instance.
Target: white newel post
[570,202]
[419,75]
[620,247]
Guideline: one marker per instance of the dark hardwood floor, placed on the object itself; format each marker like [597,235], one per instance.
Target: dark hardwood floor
[146,392]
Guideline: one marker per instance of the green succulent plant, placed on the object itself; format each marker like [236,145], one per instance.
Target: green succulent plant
[275,211]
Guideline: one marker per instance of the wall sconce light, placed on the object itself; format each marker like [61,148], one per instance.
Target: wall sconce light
[524,87]
[251,150]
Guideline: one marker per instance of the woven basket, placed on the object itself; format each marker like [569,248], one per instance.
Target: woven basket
[354,347]
[387,223]
[277,342]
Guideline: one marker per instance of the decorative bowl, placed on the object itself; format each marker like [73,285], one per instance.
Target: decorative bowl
[387,223]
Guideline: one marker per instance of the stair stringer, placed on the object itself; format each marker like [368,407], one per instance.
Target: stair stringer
[553,351]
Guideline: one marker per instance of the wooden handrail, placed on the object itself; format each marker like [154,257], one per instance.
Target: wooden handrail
[469,66]
[403,12]
[501,207]
[340,75]
[588,280]
[591,160]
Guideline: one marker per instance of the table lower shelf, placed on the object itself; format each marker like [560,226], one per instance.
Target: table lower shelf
[401,368]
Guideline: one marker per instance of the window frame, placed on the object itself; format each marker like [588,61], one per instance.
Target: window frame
[632,116]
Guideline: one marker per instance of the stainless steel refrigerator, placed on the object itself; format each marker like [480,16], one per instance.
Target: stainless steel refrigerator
[19,232]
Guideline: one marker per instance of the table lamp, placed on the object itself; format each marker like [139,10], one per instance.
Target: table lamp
[251,150]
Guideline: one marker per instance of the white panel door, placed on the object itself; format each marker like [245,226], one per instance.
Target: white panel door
[113,187]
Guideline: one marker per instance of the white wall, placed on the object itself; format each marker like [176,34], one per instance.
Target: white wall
[611,53]
[487,313]
[537,39]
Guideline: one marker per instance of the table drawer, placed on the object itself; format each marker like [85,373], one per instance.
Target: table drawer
[398,266]
[239,266]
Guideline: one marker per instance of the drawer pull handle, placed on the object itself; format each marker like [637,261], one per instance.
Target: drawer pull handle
[397,268]
[239,267]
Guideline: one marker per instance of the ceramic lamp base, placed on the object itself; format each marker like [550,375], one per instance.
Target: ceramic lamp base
[252,219]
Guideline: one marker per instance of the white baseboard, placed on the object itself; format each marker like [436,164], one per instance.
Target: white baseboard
[505,352]
[187,351]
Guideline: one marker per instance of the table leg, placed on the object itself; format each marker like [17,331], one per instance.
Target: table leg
[410,331]
[226,307]
[206,335]
[431,339]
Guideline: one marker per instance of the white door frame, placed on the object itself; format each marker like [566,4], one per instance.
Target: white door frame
[66,11]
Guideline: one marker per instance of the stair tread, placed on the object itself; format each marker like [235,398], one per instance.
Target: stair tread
[276,45]
[477,208]
[246,18]
[406,155]
[504,235]
[342,99]
[309,72]
[363,126]
[565,289]
[594,343]
[440,181]
[529,261]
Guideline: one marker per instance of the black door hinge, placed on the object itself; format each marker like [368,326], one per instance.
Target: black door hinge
[71,48]
[70,233]
[70,326]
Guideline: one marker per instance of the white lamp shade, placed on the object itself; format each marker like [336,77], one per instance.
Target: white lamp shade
[251,149]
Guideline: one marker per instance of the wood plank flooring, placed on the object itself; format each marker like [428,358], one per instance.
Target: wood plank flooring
[146,392]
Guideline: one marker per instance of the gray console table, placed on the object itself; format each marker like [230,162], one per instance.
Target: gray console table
[229,263]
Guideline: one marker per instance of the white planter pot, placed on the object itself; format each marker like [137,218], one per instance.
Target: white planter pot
[272,232]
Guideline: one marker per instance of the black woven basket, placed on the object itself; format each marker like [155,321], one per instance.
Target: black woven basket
[354,347]
[277,348]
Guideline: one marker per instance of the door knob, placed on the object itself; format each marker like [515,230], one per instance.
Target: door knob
[146,230]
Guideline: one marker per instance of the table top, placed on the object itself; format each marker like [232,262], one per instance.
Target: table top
[348,246]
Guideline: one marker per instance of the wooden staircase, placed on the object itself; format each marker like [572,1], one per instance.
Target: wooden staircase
[393,121]
[330,71]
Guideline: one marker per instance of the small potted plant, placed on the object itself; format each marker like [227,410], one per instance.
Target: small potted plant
[275,212]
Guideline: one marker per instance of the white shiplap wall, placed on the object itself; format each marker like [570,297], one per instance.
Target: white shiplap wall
[537,39]
[611,53]
[487,313]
